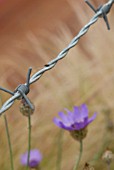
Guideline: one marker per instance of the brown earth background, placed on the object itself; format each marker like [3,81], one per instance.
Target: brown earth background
[31,34]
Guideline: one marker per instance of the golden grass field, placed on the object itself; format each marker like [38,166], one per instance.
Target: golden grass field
[86,75]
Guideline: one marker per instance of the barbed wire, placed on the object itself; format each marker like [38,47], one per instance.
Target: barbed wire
[23,89]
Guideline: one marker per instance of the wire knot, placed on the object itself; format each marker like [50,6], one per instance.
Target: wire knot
[22,88]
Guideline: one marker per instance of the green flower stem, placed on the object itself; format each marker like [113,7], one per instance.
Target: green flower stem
[108,166]
[29,140]
[59,151]
[9,142]
[80,155]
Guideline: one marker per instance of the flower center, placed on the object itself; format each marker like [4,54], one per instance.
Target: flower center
[73,125]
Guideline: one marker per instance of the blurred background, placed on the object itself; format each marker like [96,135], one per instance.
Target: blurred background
[31,34]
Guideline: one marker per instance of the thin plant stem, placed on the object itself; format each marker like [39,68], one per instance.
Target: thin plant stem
[108,166]
[8,138]
[29,140]
[59,151]
[9,142]
[80,155]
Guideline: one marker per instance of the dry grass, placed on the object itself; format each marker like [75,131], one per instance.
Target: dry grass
[86,75]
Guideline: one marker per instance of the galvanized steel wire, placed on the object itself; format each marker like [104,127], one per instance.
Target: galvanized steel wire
[105,9]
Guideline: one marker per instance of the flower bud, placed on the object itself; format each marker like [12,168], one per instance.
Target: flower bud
[108,156]
[25,108]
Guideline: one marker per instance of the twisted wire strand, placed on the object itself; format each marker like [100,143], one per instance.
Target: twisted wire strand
[61,55]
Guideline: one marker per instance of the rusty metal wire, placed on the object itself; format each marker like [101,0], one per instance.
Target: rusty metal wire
[23,89]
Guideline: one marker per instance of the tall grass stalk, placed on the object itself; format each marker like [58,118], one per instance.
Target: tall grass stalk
[8,138]
[9,142]
[59,151]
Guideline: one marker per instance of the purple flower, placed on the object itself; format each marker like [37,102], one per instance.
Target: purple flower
[35,158]
[76,120]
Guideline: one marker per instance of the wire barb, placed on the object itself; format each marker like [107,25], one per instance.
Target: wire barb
[28,76]
[23,89]
[7,91]
[105,10]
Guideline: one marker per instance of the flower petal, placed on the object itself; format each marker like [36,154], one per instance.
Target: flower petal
[60,124]
[57,122]
[84,110]
[24,159]
[92,118]
[35,154]
[81,125]
[77,114]
[64,118]
[70,116]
